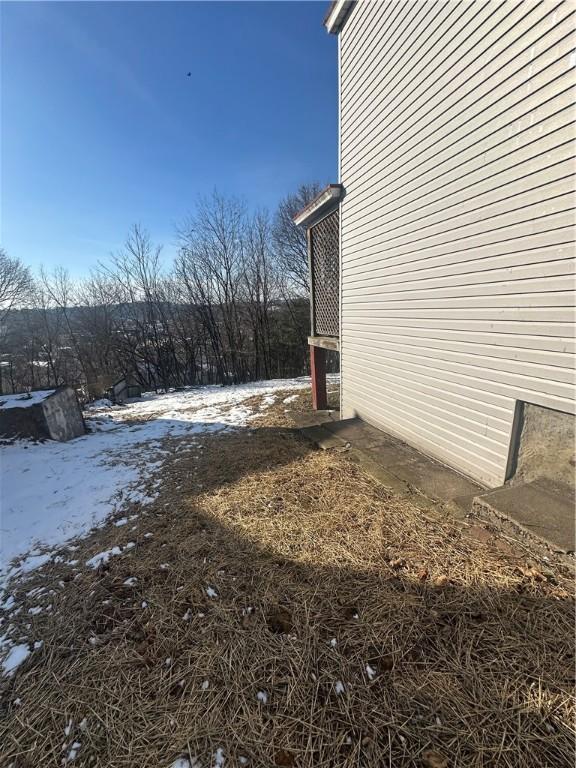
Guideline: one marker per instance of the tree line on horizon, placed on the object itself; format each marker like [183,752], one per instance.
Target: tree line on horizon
[232,307]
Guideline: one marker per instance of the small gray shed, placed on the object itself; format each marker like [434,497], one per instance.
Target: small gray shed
[125,389]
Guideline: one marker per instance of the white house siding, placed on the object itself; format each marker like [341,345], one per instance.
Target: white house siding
[456,154]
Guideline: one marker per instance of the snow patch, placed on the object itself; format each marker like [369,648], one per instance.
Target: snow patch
[102,557]
[8,603]
[24,400]
[30,563]
[104,402]
[268,401]
[184,762]
[72,753]
[371,672]
[16,655]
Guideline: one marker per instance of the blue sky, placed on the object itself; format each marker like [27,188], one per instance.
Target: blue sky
[102,127]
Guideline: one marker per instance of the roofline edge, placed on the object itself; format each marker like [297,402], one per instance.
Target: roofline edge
[329,196]
[336,15]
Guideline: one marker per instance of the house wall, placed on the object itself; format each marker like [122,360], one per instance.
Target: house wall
[456,156]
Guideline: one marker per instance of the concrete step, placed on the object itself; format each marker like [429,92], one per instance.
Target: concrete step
[313,418]
[322,437]
[354,430]
[398,465]
[541,508]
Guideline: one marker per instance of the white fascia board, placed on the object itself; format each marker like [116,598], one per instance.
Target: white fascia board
[338,12]
[330,195]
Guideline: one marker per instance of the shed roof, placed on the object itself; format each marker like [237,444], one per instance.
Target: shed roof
[326,199]
[336,15]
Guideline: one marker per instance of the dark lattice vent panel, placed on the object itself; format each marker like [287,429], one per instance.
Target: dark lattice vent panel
[324,244]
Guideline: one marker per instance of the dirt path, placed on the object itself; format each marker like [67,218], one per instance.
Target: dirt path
[279,607]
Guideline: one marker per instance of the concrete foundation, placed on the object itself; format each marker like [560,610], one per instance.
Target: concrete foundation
[545,446]
[50,415]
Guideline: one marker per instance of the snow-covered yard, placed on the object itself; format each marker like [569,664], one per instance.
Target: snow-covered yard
[51,492]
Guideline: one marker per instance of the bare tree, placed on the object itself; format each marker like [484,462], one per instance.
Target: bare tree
[210,264]
[96,320]
[231,308]
[143,329]
[260,291]
[290,240]
[62,293]
[15,283]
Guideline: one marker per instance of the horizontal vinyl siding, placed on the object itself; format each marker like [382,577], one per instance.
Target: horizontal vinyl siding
[457,226]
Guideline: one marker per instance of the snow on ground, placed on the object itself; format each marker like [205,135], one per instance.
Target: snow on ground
[16,655]
[54,491]
[51,492]
[204,405]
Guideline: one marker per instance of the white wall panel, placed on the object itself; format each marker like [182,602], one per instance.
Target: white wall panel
[457,227]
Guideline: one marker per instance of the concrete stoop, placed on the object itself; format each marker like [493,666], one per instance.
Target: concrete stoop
[312,425]
[541,509]
[394,463]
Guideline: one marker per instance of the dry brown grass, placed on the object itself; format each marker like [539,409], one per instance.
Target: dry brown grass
[470,646]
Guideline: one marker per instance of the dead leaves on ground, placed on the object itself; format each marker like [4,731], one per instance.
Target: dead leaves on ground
[399,563]
[284,757]
[530,572]
[433,759]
